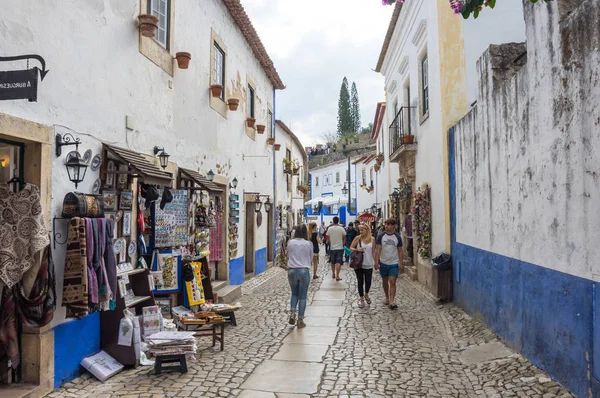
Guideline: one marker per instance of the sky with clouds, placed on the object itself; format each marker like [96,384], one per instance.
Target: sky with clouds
[314,44]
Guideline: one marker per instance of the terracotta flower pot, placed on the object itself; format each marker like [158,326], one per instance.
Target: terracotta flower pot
[183,59]
[148,25]
[250,121]
[376,168]
[260,128]
[216,90]
[277,146]
[233,104]
[408,139]
[270,141]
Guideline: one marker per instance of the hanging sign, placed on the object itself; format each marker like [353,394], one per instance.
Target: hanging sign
[21,84]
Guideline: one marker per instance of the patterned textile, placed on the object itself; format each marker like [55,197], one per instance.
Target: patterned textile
[216,239]
[37,309]
[104,291]
[92,278]
[23,232]
[75,287]
[9,347]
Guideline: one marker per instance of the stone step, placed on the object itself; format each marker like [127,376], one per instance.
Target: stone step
[229,294]
[411,272]
[216,285]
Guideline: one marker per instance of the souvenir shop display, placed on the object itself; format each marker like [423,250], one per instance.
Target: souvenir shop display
[166,271]
[193,284]
[171,220]
[234,219]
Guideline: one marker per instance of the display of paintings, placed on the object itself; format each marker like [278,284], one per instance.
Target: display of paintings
[195,291]
[170,227]
[126,200]
[110,177]
[164,303]
[167,274]
[110,200]
[122,178]
[151,318]
[127,223]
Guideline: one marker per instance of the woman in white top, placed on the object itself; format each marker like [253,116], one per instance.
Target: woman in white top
[300,255]
[364,243]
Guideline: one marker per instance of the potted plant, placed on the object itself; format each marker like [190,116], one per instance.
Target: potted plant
[270,140]
[148,25]
[216,90]
[380,158]
[287,165]
[277,146]
[183,59]
[408,139]
[233,103]
[376,168]
[295,166]
[250,121]
[260,128]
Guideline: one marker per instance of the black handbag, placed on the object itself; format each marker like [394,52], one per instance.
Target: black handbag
[77,204]
[356,258]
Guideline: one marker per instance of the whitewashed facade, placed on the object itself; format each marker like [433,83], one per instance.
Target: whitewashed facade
[102,72]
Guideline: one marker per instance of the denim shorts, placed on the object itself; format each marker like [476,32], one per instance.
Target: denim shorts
[337,256]
[386,270]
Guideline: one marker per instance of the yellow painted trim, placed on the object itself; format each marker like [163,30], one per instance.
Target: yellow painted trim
[453,87]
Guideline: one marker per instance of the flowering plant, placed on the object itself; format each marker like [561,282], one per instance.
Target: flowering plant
[421,213]
[464,7]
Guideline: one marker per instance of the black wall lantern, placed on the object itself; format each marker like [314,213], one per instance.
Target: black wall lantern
[210,175]
[233,183]
[257,204]
[76,168]
[65,140]
[268,205]
[345,190]
[163,157]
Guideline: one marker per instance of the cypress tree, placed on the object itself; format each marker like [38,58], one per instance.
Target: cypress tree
[355,109]
[345,122]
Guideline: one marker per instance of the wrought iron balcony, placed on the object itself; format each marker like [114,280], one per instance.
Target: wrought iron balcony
[402,130]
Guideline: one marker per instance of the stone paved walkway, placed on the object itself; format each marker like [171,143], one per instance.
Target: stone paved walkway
[420,350]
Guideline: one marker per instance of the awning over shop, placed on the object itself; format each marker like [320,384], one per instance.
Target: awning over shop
[138,165]
[366,217]
[196,177]
[327,200]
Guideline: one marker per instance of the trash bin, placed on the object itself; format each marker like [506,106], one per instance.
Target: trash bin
[441,277]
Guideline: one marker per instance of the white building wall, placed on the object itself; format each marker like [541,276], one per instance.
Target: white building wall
[98,76]
[327,185]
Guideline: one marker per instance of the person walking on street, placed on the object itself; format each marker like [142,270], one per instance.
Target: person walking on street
[326,238]
[322,230]
[336,234]
[300,255]
[316,241]
[364,275]
[351,233]
[389,257]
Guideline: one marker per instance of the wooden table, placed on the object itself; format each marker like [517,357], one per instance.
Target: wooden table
[203,328]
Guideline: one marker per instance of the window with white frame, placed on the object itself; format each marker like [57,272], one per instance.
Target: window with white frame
[316,181]
[364,176]
[424,86]
[219,68]
[347,175]
[271,133]
[162,10]
[250,101]
[371,176]
[337,177]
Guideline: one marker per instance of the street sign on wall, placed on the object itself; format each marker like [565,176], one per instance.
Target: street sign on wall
[19,84]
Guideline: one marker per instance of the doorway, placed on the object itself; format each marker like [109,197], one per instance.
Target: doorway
[249,243]
[270,236]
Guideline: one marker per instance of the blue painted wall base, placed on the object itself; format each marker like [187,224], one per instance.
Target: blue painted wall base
[236,271]
[73,341]
[260,261]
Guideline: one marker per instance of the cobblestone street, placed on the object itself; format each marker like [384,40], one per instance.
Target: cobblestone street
[419,350]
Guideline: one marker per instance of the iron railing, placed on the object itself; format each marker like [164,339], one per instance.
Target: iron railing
[402,126]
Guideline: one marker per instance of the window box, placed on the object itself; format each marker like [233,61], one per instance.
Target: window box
[260,128]
[408,139]
[250,122]
[270,140]
[277,147]
[216,90]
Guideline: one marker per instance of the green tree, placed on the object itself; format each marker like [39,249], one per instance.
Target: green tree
[367,130]
[345,124]
[355,109]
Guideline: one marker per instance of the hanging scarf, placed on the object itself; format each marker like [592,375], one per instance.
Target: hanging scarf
[8,329]
[23,232]
[92,279]
[110,262]
[37,308]
[103,286]
[75,286]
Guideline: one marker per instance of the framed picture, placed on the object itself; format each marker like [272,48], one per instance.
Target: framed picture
[164,303]
[110,200]
[126,201]
[110,177]
[127,223]
[123,177]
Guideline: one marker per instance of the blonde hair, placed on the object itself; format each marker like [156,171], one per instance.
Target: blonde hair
[362,227]
[312,227]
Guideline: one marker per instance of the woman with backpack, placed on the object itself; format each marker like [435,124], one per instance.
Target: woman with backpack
[364,243]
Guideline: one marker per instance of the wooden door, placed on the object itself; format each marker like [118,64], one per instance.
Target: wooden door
[249,238]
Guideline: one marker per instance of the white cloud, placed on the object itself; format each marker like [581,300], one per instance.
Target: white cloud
[314,44]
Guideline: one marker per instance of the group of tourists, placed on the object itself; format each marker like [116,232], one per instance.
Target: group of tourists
[364,253]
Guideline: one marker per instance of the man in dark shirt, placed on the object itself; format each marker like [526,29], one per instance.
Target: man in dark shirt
[351,233]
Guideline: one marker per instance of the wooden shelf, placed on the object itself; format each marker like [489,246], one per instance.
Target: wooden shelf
[136,301]
[132,272]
